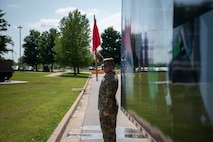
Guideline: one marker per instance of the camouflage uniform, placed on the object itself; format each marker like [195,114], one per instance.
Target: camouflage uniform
[107,103]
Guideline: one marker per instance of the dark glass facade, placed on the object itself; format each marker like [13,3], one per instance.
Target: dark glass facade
[167,69]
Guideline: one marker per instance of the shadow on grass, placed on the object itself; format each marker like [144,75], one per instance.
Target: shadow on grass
[81,75]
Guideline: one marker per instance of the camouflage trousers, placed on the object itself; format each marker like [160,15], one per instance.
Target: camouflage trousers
[108,126]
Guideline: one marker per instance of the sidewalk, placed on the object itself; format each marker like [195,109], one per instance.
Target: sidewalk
[84,126]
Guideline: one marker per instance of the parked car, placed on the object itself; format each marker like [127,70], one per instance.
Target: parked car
[91,68]
[21,68]
[100,67]
[15,68]
[46,69]
[29,68]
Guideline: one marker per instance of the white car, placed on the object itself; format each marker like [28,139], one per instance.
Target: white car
[29,68]
[15,68]
[91,68]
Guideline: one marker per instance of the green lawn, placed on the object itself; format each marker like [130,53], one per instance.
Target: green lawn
[31,112]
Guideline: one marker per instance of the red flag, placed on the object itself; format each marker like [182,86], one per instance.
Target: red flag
[126,42]
[95,37]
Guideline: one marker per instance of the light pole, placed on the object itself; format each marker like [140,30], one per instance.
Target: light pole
[12,43]
[20,27]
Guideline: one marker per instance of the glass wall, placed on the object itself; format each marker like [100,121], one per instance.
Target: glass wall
[167,69]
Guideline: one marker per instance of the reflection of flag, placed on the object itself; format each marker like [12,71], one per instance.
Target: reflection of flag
[127,39]
[95,37]
[126,42]
[129,76]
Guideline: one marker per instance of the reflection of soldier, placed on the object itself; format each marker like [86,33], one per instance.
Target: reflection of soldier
[107,103]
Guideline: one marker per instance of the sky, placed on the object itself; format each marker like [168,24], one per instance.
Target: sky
[41,15]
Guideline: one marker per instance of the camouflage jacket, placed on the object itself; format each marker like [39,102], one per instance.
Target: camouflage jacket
[107,91]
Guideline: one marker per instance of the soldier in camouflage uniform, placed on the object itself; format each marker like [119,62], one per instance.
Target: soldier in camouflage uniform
[107,103]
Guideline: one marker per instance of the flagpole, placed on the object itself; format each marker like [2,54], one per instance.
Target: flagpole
[96,68]
[96,42]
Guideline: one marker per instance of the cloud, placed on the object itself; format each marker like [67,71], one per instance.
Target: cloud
[13,5]
[66,10]
[44,24]
[112,21]
[91,12]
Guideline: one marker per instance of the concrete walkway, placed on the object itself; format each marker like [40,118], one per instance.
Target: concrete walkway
[58,73]
[83,124]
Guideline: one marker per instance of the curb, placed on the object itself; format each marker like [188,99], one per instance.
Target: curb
[144,132]
[59,131]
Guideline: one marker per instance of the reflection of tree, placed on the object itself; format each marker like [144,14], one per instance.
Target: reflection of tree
[140,50]
[183,13]
[134,49]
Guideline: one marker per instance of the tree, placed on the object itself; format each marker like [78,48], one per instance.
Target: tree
[31,52]
[3,38]
[46,47]
[72,47]
[111,43]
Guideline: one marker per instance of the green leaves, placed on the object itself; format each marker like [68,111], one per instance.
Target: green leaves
[111,42]
[3,38]
[72,48]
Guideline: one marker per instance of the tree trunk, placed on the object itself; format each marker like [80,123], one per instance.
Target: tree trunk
[78,70]
[74,71]
[36,67]
[52,67]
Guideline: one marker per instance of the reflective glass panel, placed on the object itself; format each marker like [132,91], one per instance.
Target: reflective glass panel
[166,67]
